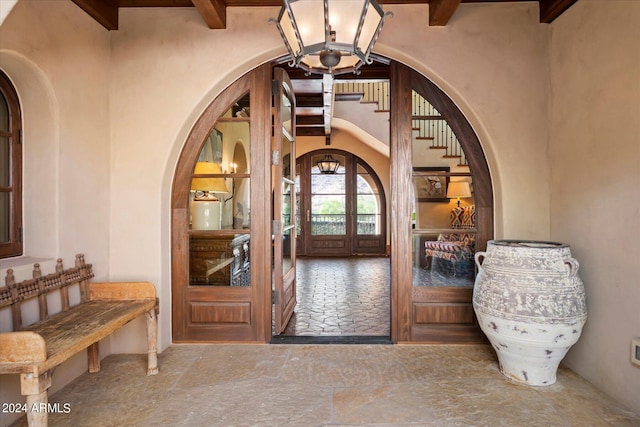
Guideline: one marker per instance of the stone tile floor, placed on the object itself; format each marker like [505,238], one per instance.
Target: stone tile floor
[342,296]
[349,296]
[327,385]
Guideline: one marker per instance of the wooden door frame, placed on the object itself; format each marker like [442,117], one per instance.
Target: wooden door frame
[258,83]
[403,294]
[284,282]
[402,80]
[351,192]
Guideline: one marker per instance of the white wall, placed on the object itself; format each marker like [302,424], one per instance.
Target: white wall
[595,180]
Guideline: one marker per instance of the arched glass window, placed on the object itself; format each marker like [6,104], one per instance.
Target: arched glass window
[10,171]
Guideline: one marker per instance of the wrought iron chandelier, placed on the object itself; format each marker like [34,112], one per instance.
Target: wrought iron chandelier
[330,36]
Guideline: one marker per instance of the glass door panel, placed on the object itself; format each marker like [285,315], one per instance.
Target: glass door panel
[217,287]
[328,199]
[284,203]
[220,203]
[443,204]
[368,204]
[443,230]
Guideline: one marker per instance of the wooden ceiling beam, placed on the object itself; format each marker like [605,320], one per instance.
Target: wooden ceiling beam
[441,11]
[155,3]
[103,11]
[214,13]
[551,9]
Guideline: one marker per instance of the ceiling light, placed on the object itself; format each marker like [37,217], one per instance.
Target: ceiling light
[330,36]
[328,165]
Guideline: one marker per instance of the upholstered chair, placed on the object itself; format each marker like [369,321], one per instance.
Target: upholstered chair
[455,248]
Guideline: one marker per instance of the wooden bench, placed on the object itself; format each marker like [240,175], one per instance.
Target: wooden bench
[35,350]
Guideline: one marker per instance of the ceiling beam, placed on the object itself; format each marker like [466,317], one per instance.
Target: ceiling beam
[551,9]
[327,104]
[103,11]
[214,13]
[155,3]
[440,11]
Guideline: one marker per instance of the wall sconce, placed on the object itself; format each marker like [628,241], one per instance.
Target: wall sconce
[330,36]
[206,209]
[459,189]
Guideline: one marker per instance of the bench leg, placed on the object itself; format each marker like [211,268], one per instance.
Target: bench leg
[35,388]
[93,356]
[152,342]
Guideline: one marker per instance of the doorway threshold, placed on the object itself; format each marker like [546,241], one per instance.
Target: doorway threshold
[331,339]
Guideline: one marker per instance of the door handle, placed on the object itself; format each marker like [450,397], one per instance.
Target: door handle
[308,215]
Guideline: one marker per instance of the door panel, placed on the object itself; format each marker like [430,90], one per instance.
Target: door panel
[284,204]
[345,212]
[434,300]
[327,221]
[217,289]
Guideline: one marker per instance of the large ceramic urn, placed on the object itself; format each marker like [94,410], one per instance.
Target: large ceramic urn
[530,303]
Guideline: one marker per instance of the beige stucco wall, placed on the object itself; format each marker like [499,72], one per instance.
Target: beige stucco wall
[595,180]
[58,61]
[121,104]
[166,66]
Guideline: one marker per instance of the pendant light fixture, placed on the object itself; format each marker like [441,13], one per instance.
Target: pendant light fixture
[330,36]
[328,165]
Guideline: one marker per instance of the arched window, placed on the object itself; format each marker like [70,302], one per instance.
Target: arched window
[10,170]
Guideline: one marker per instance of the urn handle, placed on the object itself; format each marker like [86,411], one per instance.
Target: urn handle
[574,265]
[477,257]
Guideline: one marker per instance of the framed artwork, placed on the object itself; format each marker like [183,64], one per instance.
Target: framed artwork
[431,187]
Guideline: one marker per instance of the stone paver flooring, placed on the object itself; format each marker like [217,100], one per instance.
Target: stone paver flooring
[327,385]
[342,296]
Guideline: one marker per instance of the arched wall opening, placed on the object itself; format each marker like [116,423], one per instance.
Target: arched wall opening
[469,140]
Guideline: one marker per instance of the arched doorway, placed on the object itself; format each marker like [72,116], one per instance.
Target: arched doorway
[418,313]
[343,211]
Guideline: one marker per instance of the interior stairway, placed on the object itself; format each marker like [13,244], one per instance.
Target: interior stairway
[429,127]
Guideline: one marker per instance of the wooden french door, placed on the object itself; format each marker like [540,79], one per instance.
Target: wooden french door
[284,201]
[221,238]
[424,309]
[222,268]
[343,213]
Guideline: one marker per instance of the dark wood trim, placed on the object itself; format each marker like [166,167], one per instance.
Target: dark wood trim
[14,247]
[214,13]
[284,282]
[261,188]
[551,9]
[103,11]
[155,3]
[401,193]
[427,314]
[441,11]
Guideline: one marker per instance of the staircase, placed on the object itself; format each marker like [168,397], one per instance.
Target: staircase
[430,129]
